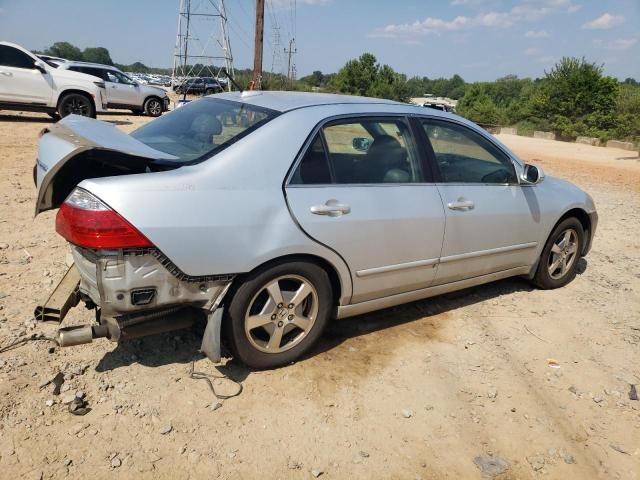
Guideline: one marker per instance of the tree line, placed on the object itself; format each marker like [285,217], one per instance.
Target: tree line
[574,98]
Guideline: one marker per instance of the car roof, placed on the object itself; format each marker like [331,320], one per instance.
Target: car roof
[89,64]
[283,101]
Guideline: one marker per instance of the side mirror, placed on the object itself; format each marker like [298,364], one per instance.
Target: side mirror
[39,65]
[361,144]
[531,174]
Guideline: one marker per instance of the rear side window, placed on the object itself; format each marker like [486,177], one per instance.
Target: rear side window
[12,57]
[361,151]
[464,156]
[198,130]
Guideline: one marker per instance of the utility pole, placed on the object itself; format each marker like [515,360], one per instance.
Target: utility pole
[257,58]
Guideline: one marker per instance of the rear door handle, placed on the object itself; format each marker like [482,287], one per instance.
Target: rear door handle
[331,208]
[461,204]
[6,74]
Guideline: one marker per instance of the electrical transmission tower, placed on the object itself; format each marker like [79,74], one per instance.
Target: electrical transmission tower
[202,42]
[276,61]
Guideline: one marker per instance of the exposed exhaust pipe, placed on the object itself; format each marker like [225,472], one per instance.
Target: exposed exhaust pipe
[79,334]
[130,326]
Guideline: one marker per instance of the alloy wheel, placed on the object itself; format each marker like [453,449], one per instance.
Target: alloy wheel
[78,105]
[155,108]
[563,253]
[281,314]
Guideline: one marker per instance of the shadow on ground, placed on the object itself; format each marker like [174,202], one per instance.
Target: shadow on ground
[23,118]
[182,346]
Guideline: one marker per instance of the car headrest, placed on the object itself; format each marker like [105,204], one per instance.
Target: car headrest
[387,151]
[206,124]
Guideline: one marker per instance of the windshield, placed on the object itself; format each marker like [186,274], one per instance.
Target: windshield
[202,127]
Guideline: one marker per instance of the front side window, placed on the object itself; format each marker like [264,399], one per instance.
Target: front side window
[464,156]
[12,57]
[117,77]
[201,128]
[361,151]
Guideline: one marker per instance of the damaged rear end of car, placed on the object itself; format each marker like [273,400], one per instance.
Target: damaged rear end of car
[134,288]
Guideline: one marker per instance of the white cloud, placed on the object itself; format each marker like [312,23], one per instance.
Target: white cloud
[531,51]
[618,44]
[574,8]
[526,10]
[537,34]
[604,22]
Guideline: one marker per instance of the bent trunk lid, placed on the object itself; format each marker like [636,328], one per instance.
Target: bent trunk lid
[77,148]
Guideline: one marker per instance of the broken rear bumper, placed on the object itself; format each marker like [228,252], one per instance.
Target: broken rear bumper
[138,292]
[122,282]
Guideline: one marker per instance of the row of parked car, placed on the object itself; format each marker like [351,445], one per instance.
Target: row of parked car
[61,87]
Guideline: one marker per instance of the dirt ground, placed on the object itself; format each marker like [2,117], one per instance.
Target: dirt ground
[437,389]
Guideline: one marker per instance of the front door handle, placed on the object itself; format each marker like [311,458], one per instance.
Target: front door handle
[332,208]
[461,204]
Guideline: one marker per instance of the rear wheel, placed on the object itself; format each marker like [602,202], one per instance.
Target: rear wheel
[77,104]
[153,107]
[559,259]
[209,91]
[278,313]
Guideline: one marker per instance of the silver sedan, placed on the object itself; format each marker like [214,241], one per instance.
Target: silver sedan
[269,214]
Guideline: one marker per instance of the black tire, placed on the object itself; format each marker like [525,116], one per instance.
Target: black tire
[78,104]
[544,278]
[247,296]
[54,115]
[209,91]
[153,107]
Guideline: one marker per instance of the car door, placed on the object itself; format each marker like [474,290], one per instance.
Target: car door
[361,189]
[121,90]
[492,222]
[20,80]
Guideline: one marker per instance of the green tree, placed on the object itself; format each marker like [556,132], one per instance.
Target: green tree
[316,79]
[97,55]
[364,76]
[64,50]
[577,99]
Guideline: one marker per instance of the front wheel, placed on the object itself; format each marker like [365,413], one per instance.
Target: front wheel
[153,107]
[559,258]
[277,314]
[77,104]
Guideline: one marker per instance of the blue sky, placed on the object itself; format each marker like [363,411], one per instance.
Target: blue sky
[479,39]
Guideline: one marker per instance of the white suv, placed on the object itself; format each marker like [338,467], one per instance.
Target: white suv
[122,91]
[30,84]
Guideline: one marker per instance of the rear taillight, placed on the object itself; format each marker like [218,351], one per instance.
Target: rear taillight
[84,220]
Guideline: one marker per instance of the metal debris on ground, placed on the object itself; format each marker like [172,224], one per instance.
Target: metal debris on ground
[633,393]
[24,341]
[207,377]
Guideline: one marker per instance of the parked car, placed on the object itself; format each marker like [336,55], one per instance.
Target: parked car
[295,209]
[31,84]
[198,86]
[122,91]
